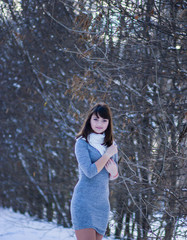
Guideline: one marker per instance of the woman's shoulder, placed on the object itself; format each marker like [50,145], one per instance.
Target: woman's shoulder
[81,142]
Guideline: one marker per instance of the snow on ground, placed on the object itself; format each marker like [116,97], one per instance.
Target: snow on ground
[16,226]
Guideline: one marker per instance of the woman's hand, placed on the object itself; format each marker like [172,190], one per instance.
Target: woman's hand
[112,168]
[112,150]
[100,163]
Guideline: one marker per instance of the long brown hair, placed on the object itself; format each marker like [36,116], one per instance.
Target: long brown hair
[102,110]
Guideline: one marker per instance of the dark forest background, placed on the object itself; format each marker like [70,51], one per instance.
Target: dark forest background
[58,58]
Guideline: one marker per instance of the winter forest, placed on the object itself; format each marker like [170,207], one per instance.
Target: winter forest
[58,58]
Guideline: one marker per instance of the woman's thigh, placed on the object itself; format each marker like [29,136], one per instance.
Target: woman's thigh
[86,234]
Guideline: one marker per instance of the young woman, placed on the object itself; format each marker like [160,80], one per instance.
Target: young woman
[96,154]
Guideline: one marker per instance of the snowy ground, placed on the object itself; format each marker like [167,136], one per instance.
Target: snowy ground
[15,226]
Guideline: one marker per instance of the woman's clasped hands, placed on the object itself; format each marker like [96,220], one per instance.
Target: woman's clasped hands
[111,166]
[112,150]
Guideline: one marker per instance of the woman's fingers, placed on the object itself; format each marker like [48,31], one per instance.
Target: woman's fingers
[108,163]
[111,161]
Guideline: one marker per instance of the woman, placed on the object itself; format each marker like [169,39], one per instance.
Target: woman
[96,154]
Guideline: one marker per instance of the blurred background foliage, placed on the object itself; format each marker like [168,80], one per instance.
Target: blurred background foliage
[57,59]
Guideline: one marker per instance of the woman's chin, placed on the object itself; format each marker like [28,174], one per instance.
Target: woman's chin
[98,131]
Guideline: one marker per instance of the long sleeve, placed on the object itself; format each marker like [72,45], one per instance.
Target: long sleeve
[84,160]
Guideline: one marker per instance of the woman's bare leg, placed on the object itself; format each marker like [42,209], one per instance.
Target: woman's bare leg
[98,236]
[86,234]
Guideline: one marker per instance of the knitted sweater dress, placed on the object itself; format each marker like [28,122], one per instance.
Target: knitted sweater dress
[90,202]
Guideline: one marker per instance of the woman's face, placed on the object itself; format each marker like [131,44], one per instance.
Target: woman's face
[98,124]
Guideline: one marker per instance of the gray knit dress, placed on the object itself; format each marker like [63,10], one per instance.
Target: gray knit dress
[90,202]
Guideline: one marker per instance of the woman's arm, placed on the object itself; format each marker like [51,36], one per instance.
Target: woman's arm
[100,163]
[83,158]
[91,169]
